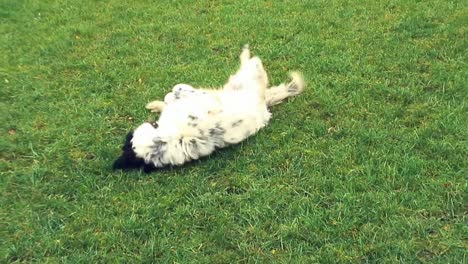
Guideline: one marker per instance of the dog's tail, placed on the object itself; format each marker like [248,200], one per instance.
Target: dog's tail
[277,94]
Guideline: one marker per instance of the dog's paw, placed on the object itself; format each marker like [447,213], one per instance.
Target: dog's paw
[156,106]
[245,54]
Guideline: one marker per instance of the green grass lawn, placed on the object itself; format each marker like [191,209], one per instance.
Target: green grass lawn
[368,165]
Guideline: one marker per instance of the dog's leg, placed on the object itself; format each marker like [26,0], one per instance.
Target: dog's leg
[260,76]
[156,106]
[276,94]
[250,75]
[235,80]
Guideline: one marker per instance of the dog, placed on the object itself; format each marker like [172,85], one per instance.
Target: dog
[193,122]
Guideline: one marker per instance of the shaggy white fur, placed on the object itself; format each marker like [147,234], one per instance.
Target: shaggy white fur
[194,122]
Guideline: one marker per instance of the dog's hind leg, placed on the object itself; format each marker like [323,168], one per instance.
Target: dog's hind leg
[276,94]
[256,76]
[245,55]
[235,80]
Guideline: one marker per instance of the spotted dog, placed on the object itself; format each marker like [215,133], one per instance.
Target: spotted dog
[194,122]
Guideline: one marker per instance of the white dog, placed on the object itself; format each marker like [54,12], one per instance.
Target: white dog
[194,122]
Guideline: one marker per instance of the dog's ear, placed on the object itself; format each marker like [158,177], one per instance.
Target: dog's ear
[122,163]
[148,168]
[128,140]
[129,136]
[128,159]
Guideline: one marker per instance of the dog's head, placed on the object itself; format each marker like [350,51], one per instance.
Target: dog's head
[137,149]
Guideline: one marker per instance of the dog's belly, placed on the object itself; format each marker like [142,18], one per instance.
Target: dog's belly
[244,101]
[193,107]
[228,117]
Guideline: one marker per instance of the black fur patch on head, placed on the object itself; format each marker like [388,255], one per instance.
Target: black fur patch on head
[147,168]
[128,160]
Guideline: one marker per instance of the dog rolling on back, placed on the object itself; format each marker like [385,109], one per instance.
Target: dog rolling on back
[195,122]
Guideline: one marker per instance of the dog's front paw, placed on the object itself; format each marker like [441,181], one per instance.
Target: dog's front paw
[156,106]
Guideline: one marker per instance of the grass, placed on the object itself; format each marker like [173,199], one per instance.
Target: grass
[368,165]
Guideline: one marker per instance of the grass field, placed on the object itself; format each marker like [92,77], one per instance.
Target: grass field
[368,165]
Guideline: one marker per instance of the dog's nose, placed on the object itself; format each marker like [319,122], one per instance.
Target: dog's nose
[154,124]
